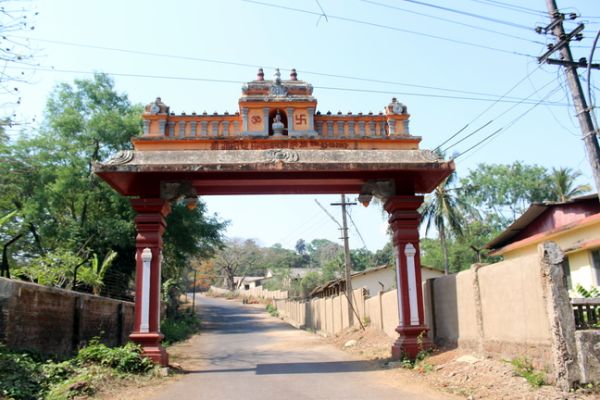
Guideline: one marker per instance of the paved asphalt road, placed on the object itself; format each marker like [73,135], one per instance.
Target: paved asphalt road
[243,353]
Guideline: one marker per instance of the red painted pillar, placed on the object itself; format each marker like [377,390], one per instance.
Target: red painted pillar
[150,225]
[404,221]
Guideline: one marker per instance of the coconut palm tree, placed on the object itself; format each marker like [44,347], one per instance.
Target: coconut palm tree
[562,183]
[445,210]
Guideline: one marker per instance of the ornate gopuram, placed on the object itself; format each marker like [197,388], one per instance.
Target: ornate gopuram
[278,142]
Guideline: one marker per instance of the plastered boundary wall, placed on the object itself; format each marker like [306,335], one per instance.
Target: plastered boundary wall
[516,308]
[59,322]
[497,309]
[329,314]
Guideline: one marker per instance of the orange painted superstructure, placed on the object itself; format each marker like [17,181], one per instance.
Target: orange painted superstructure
[251,127]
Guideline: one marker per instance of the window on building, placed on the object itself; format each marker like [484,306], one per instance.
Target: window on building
[567,274]
[596,266]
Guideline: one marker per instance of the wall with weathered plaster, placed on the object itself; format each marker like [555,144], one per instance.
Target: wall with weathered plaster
[329,315]
[56,321]
[516,308]
[496,309]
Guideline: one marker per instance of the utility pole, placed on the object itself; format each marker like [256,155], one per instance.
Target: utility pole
[583,111]
[348,264]
[194,293]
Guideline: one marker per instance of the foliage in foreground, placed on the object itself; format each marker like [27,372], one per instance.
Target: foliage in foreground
[594,291]
[179,327]
[26,376]
[524,368]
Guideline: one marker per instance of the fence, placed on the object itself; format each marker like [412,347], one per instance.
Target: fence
[328,314]
[57,321]
[586,313]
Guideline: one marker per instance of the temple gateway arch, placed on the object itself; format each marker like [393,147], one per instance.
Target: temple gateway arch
[277,143]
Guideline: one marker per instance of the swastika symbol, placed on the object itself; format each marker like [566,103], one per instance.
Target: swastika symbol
[256,119]
[300,119]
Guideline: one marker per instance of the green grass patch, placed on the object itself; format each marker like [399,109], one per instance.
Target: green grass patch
[180,327]
[523,368]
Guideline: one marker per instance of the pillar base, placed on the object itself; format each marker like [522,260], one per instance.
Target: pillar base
[151,348]
[411,341]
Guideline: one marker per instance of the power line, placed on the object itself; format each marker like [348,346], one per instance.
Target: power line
[393,28]
[489,107]
[247,65]
[500,115]
[356,229]
[452,21]
[213,80]
[512,7]
[468,14]
[509,125]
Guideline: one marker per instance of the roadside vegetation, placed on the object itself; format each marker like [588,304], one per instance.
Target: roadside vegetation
[523,368]
[30,376]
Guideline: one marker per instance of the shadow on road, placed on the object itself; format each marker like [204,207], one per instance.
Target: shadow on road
[326,367]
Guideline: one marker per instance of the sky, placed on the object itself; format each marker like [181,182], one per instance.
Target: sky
[453,65]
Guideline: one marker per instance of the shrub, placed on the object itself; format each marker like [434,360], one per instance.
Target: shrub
[271,309]
[20,376]
[124,359]
[180,327]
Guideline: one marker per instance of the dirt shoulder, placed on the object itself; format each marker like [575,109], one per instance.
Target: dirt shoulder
[454,371]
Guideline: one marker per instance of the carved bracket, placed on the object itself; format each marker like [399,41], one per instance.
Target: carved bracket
[171,191]
[381,189]
[121,157]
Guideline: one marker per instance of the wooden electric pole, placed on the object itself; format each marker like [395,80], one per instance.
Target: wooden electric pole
[582,109]
[347,262]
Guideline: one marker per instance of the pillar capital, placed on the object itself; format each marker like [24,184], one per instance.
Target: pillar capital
[403,203]
[404,218]
[151,206]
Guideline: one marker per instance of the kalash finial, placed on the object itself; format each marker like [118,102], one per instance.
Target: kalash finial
[294,75]
[277,76]
[260,75]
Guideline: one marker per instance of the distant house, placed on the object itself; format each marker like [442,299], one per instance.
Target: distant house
[248,282]
[574,225]
[372,280]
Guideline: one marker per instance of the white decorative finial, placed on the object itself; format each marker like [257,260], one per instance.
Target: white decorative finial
[277,75]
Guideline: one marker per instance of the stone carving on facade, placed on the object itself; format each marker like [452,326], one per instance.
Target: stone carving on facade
[431,155]
[121,157]
[395,107]
[381,189]
[284,155]
[277,89]
[175,190]
[156,107]
[278,126]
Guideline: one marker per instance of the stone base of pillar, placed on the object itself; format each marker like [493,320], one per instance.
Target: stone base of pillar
[411,341]
[151,348]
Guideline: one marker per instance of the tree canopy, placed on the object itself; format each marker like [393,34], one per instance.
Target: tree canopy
[66,216]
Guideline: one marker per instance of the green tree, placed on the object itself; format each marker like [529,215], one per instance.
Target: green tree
[562,184]
[362,259]
[322,251]
[444,210]
[238,258]
[385,256]
[64,209]
[501,193]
